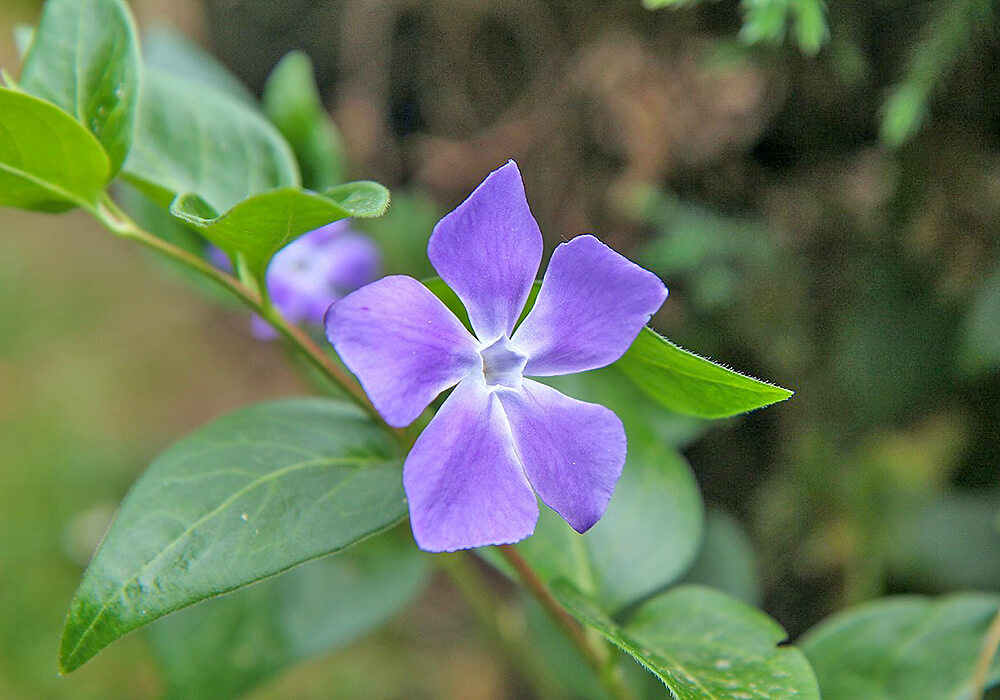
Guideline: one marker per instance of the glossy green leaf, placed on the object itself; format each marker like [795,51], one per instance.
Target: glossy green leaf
[192,139]
[170,51]
[226,646]
[261,225]
[85,59]
[703,644]
[674,377]
[48,161]
[903,648]
[247,496]
[687,383]
[293,104]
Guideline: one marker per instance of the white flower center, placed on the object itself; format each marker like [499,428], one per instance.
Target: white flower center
[503,364]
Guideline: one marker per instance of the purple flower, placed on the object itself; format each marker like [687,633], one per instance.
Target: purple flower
[469,477]
[312,272]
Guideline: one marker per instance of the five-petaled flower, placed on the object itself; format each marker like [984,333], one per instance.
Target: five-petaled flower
[498,436]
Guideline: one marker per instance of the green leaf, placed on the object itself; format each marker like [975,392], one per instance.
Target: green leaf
[980,342]
[85,59]
[261,225]
[247,496]
[292,103]
[192,139]
[48,161]
[703,644]
[24,34]
[228,645]
[924,550]
[726,561]
[687,383]
[170,51]
[905,648]
[674,377]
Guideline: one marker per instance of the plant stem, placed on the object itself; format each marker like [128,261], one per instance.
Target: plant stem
[461,569]
[118,222]
[990,644]
[596,657]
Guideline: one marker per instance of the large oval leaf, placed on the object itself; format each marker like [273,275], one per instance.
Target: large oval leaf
[247,496]
[85,59]
[192,138]
[48,161]
[687,383]
[703,644]
[903,648]
[226,646]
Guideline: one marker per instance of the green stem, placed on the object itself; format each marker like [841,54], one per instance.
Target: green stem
[119,223]
[596,655]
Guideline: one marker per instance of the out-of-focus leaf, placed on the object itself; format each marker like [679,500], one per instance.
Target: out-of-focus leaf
[648,536]
[687,383]
[902,648]
[726,560]
[85,59]
[48,161]
[980,340]
[292,103]
[952,31]
[247,496]
[703,644]
[261,225]
[403,231]
[951,543]
[194,139]
[168,50]
[24,34]
[226,646]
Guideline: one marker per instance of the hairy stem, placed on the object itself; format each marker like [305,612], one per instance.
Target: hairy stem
[982,669]
[597,656]
[118,222]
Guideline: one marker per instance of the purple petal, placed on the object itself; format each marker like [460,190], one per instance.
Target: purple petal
[353,260]
[403,344]
[462,477]
[488,251]
[572,451]
[592,304]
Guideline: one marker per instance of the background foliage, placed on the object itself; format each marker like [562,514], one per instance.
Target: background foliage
[822,204]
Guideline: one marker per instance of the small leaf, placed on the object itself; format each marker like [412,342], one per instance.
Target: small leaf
[687,383]
[226,646]
[247,496]
[703,644]
[903,648]
[261,225]
[292,103]
[48,161]
[193,139]
[85,59]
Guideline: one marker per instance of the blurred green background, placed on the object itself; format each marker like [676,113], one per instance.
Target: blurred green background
[829,222]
